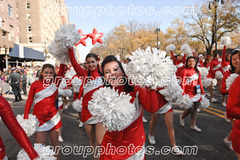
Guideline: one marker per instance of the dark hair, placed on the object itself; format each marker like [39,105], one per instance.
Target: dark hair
[226,56]
[96,58]
[235,51]
[195,67]
[205,62]
[215,55]
[112,58]
[47,66]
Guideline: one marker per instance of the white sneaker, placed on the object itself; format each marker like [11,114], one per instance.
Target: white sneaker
[144,119]
[226,119]
[60,139]
[208,94]
[195,128]
[181,121]
[214,100]
[151,139]
[198,110]
[224,104]
[176,151]
[228,143]
[80,124]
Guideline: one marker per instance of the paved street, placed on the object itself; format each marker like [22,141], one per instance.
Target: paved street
[209,143]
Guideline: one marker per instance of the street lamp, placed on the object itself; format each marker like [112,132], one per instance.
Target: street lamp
[215,3]
[156,32]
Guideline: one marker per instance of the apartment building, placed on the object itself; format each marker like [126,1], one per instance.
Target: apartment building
[8,28]
[38,19]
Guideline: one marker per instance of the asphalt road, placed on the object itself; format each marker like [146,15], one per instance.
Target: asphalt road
[209,143]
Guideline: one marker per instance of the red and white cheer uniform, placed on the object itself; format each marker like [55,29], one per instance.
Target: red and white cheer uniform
[43,96]
[190,79]
[90,85]
[233,111]
[132,138]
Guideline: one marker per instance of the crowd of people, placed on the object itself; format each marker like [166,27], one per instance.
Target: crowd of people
[44,97]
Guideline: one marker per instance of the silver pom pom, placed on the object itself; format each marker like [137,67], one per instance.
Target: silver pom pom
[218,75]
[77,105]
[171,47]
[114,111]
[226,41]
[29,125]
[185,102]
[185,48]
[67,36]
[44,152]
[204,103]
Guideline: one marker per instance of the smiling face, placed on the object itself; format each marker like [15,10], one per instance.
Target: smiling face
[91,63]
[47,73]
[113,74]
[191,63]
[235,60]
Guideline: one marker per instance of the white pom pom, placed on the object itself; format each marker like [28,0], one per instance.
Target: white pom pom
[170,47]
[70,73]
[218,75]
[185,102]
[65,92]
[29,125]
[203,71]
[172,92]
[45,153]
[185,48]
[226,41]
[61,54]
[230,80]
[151,68]
[114,111]
[204,103]
[208,81]
[77,105]
[67,36]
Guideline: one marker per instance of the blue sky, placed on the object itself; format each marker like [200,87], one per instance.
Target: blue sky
[104,15]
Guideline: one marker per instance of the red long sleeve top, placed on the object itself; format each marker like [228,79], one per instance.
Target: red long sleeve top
[12,124]
[189,82]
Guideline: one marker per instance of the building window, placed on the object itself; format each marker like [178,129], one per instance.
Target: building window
[29,28]
[11,31]
[10,11]
[16,5]
[4,34]
[28,17]
[27,5]
[30,39]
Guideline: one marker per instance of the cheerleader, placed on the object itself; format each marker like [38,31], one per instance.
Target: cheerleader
[178,62]
[133,136]
[43,94]
[10,121]
[192,86]
[92,80]
[233,111]
[225,68]
[215,66]
[234,63]
[201,61]
[167,111]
